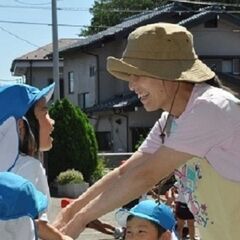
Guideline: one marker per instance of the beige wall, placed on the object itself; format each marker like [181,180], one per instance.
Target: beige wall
[79,64]
[217,41]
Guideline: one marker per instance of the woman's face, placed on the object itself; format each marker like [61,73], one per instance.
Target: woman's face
[153,93]
[140,229]
[45,125]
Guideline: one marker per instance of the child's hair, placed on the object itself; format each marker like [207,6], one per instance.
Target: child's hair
[30,143]
[158,227]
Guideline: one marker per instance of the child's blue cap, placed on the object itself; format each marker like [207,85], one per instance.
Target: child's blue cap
[16,99]
[158,213]
[19,197]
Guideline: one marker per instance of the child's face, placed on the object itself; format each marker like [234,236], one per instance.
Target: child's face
[140,229]
[45,125]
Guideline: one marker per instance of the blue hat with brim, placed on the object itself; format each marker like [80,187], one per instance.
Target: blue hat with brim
[16,99]
[19,198]
[158,213]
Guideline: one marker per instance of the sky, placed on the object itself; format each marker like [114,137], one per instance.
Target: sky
[17,39]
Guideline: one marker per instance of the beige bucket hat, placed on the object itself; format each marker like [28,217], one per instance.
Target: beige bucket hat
[161,50]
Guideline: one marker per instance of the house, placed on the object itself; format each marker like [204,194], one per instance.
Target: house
[37,67]
[115,112]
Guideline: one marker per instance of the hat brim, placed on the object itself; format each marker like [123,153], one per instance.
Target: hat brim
[46,92]
[175,70]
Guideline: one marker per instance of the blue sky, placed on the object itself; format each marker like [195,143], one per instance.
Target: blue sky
[14,38]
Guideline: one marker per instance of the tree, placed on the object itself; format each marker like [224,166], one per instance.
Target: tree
[74,144]
[111,12]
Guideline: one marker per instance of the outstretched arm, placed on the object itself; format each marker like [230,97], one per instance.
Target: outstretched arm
[66,214]
[48,232]
[128,185]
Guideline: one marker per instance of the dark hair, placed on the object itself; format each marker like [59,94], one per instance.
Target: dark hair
[30,143]
[215,82]
[158,227]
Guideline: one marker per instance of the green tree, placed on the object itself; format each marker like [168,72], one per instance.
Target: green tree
[111,12]
[74,144]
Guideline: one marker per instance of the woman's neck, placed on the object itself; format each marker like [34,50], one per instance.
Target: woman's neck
[182,98]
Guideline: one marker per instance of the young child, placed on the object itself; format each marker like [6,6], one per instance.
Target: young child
[25,130]
[16,191]
[150,220]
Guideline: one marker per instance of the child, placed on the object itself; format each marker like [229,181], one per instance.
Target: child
[25,129]
[149,220]
[183,214]
[16,191]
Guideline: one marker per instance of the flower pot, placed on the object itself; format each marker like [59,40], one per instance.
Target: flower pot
[72,190]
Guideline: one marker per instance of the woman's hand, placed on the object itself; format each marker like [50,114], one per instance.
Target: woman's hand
[68,212]
[74,227]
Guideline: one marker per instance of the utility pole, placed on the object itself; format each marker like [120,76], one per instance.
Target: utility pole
[55,50]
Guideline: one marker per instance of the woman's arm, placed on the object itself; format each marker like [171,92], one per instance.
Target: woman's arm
[66,214]
[48,232]
[128,185]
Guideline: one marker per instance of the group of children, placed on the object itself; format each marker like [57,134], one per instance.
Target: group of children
[25,130]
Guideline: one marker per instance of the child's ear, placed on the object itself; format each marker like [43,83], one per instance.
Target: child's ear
[166,235]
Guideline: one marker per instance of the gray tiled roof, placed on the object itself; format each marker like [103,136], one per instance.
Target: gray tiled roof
[126,26]
[42,52]
[207,14]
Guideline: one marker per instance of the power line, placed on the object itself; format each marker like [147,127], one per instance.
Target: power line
[45,8]
[25,3]
[22,39]
[42,24]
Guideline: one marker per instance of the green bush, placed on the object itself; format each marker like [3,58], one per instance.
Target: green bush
[99,171]
[70,176]
[74,144]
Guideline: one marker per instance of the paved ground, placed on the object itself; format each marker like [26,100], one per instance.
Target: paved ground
[88,234]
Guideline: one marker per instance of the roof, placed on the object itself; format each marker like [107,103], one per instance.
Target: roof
[44,51]
[207,14]
[185,14]
[120,102]
[128,25]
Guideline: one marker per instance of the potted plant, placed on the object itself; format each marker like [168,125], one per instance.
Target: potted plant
[71,183]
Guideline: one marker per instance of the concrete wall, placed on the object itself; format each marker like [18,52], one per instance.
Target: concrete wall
[223,40]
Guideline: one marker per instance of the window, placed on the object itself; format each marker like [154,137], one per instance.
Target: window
[91,71]
[70,82]
[104,141]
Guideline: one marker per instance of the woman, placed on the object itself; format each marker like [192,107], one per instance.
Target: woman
[202,143]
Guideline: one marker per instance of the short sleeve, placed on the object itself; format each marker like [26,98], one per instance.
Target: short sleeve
[200,129]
